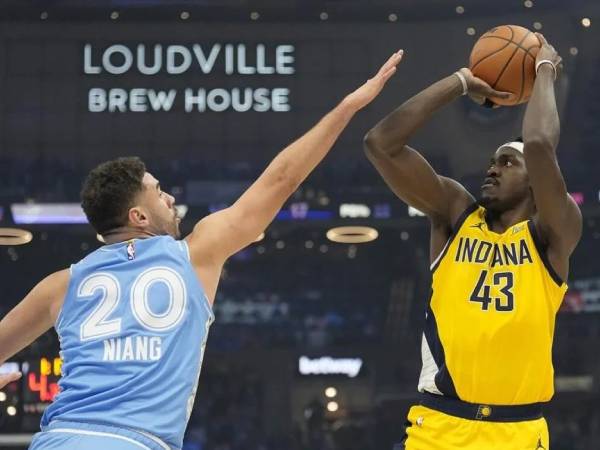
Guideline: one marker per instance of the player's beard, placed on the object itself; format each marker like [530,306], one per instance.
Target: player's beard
[167,226]
[172,228]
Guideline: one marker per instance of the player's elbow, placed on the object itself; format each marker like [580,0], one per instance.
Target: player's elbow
[372,144]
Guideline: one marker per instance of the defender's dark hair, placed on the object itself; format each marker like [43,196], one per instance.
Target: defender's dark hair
[110,190]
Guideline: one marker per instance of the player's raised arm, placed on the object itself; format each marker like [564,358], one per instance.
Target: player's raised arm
[222,234]
[405,171]
[559,218]
[31,318]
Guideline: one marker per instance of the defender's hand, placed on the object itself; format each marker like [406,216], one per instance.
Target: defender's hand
[548,52]
[368,91]
[9,378]
[479,90]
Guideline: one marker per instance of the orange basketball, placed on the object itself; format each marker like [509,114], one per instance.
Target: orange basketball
[504,57]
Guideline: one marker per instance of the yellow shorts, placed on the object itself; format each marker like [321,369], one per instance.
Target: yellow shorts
[434,430]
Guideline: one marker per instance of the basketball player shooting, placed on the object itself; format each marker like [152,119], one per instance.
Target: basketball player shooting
[133,316]
[498,270]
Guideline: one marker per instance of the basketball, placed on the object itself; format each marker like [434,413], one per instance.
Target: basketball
[504,57]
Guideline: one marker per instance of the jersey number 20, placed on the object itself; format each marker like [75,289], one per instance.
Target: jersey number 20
[98,325]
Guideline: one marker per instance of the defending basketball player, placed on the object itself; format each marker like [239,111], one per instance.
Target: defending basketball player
[133,316]
[499,268]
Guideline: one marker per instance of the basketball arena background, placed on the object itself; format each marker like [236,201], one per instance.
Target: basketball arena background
[316,344]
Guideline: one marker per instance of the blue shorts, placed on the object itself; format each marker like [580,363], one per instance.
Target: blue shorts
[60,435]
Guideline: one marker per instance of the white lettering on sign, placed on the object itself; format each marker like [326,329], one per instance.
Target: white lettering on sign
[177,59]
[242,59]
[353,211]
[327,365]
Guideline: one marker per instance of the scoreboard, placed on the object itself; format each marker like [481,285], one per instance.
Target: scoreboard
[40,383]
[23,402]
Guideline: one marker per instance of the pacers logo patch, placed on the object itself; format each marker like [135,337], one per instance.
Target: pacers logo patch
[483,412]
[130,251]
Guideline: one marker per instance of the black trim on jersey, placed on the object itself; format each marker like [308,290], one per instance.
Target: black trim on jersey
[482,412]
[541,249]
[443,380]
[457,226]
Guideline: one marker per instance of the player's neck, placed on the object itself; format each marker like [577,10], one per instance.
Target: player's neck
[500,221]
[124,234]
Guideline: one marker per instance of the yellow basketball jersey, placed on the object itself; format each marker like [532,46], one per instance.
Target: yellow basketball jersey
[490,324]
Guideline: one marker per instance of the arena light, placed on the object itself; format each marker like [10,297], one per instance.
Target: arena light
[324,16]
[9,367]
[47,213]
[11,411]
[352,235]
[184,15]
[573,51]
[537,25]
[528,4]
[460,9]
[14,236]
[414,212]
[332,406]
[586,22]
[2,396]
[330,392]
[579,197]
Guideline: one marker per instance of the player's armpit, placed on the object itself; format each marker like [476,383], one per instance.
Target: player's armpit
[558,216]
[35,315]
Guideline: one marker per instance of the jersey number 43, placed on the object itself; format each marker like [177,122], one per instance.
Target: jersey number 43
[481,293]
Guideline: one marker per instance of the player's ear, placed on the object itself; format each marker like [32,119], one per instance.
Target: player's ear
[138,217]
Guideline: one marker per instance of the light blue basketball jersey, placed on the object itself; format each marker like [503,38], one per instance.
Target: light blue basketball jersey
[132,330]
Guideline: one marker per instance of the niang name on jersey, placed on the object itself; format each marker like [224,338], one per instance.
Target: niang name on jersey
[492,254]
[133,348]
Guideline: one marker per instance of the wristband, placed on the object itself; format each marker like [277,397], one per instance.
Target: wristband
[545,61]
[463,81]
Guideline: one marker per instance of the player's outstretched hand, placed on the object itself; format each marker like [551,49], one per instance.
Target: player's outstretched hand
[479,90]
[548,53]
[368,91]
[9,378]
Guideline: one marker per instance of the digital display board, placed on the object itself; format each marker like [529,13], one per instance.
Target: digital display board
[40,383]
